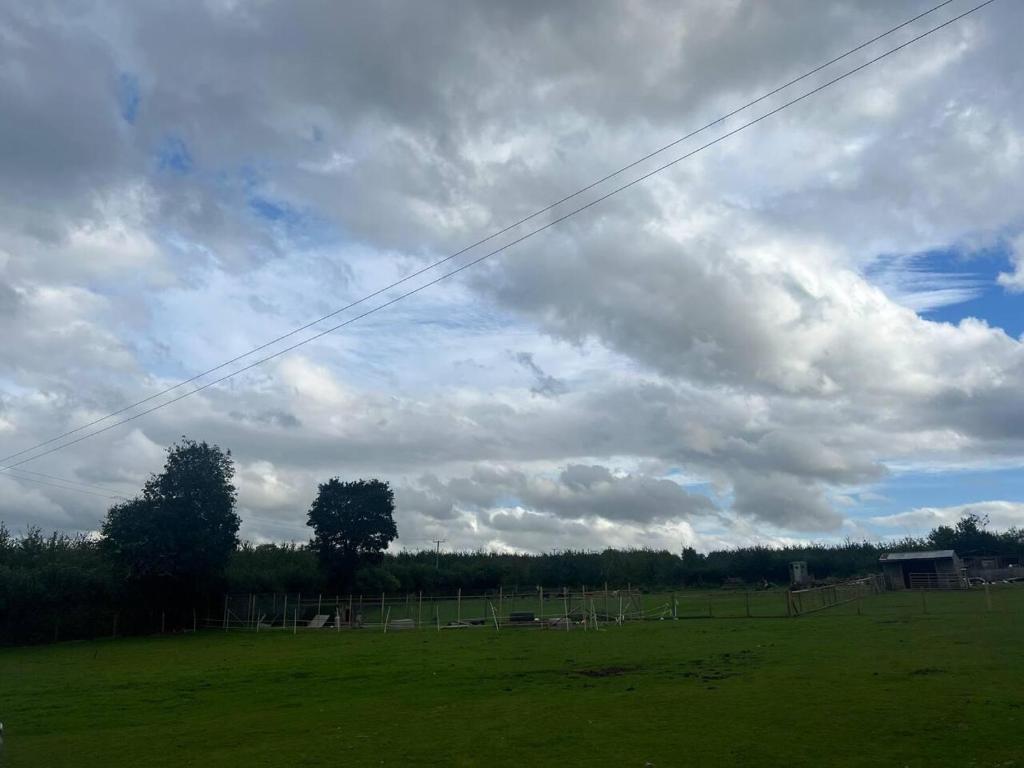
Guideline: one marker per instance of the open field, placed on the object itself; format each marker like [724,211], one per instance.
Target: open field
[894,686]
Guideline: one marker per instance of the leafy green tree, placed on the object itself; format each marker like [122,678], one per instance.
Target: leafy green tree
[353,523]
[174,540]
[968,537]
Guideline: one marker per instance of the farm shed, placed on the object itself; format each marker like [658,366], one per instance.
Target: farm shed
[910,570]
[993,567]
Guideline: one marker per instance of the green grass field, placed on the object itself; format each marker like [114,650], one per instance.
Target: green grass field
[894,686]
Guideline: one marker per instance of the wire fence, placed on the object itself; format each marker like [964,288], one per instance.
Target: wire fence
[567,608]
[293,611]
[536,608]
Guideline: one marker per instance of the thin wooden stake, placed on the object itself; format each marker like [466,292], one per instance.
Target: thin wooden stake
[419,613]
[458,609]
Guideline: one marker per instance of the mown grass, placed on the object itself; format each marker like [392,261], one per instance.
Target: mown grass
[894,686]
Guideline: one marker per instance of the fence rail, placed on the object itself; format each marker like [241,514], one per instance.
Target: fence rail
[517,608]
[568,609]
[937,581]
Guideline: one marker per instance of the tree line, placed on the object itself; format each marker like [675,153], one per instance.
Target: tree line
[167,556]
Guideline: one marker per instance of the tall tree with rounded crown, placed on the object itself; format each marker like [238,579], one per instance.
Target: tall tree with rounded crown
[174,540]
[353,523]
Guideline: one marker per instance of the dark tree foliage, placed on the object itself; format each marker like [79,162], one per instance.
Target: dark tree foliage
[53,587]
[274,568]
[173,542]
[968,537]
[353,523]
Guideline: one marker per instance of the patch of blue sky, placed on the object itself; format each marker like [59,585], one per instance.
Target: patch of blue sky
[301,227]
[277,212]
[173,155]
[949,285]
[905,491]
[992,303]
[128,97]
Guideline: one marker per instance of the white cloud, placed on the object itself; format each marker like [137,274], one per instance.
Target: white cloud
[1001,515]
[1014,281]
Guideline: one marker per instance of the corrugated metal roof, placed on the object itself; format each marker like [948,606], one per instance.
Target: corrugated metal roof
[934,554]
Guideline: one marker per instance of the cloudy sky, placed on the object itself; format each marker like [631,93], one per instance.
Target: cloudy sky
[809,331]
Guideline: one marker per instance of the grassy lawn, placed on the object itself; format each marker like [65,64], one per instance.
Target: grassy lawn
[894,686]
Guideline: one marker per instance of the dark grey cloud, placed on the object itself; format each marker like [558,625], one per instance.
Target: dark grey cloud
[10,299]
[545,385]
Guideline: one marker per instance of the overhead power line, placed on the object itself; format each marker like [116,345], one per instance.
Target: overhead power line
[506,246]
[64,483]
[66,480]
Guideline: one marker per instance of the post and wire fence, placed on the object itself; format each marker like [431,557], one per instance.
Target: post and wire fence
[583,608]
[516,607]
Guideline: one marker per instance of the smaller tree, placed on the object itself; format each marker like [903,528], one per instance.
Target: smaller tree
[353,523]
